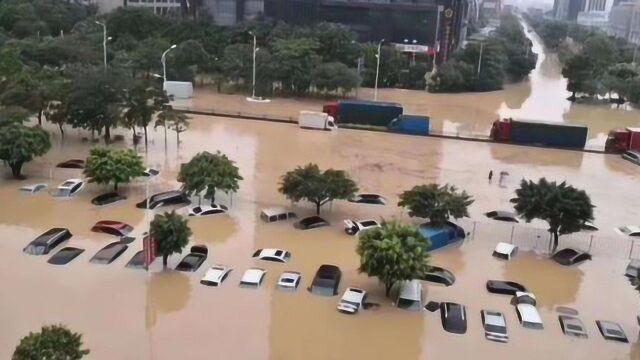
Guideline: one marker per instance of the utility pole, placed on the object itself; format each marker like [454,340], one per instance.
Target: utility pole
[480,58]
[253,83]
[375,90]
[104,42]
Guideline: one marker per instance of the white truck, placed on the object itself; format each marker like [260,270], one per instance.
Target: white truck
[179,89]
[316,120]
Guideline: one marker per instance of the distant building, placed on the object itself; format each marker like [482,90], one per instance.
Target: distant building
[491,8]
[231,12]
[160,7]
[624,21]
[595,13]
[568,9]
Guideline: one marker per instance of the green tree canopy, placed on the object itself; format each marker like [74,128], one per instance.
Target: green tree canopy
[318,187]
[562,206]
[174,120]
[106,166]
[393,253]
[52,342]
[435,202]
[209,172]
[142,100]
[171,232]
[294,61]
[334,76]
[20,144]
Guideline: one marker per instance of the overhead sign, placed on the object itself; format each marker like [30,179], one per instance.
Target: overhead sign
[412,48]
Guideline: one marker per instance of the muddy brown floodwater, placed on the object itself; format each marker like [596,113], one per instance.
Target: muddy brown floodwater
[130,314]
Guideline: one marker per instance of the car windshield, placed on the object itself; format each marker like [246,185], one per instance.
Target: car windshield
[287,280]
[278,253]
[614,333]
[36,249]
[67,184]
[368,223]
[350,303]
[574,327]
[495,329]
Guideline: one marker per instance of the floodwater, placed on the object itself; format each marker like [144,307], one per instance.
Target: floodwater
[541,97]
[131,314]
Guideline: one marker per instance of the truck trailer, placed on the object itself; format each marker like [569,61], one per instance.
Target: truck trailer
[410,124]
[362,112]
[540,133]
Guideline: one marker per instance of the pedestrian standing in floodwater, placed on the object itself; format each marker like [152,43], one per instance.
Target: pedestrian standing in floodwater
[490,176]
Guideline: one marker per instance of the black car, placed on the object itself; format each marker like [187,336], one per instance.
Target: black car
[454,317]
[137,261]
[194,259]
[439,275]
[611,331]
[326,280]
[71,164]
[311,222]
[65,255]
[372,199]
[504,287]
[109,253]
[569,256]
[174,197]
[46,242]
[502,216]
[108,198]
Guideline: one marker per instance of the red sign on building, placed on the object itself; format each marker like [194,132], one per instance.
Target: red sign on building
[150,250]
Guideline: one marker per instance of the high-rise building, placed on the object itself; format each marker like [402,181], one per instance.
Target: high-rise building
[231,12]
[624,21]
[160,7]
[568,9]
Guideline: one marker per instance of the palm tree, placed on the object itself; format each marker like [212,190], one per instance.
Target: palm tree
[174,120]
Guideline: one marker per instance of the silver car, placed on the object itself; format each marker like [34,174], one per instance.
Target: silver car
[495,326]
[633,156]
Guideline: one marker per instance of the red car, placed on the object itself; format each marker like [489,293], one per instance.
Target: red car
[115,228]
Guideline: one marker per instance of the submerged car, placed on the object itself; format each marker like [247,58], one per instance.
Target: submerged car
[632,155]
[569,256]
[275,255]
[498,215]
[372,199]
[311,222]
[504,287]
[216,275]
[524,298]
[173,197]
[109,253]
[326,281]
[439,275]
[137,261]
[611,331]
[633,269]
[629,230]
[115,228]
[253,277]
[356,227]
[276,214]
[71,164]
[33,188]
[192,261]
[505,251]
[495,326]
[150,172]
[48,241]
[289,280]
[204,210]
[352,300]
[529,317]
[453,317]
[108,198]
[69,188]
[65,255]
[572,326]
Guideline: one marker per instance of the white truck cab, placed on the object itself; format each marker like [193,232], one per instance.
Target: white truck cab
[316,120]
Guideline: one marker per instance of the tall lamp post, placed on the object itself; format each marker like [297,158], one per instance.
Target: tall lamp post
[163,59]
[375,90]
[253,81]
[104,42]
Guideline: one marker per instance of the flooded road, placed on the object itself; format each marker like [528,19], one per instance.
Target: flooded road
[130,314]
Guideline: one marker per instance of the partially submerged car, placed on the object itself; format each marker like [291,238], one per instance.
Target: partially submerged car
[33,188]
[453,317]
[48,241]
[441,235]
[109,253]
[275,255]
[612,331]
[629,230]
[65,255]
[499,215]
[166,198]
[311,222]
[253,277]
[137,261]
[529,317]
[505,251]
[289,280]
[69,188]
[269,215]
[504,287]
[372,199]
[108,198]
[150,172]
[570,256]
[410,295]
[572,326]
[205,210]
[524,298]
[71,164]
[495,326]
[216,275]
[439,275]
[352,300]
[326,281]
[192,261]
[632,156]
[633,269]
[356,227]
[111,227]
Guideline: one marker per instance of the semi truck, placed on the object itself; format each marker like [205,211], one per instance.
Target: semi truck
[410,124]
[362,112]
[621,140]
[539,133]
[316,120]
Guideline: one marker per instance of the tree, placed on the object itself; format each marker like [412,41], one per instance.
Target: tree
[237,66]
[52,342]
[317,187]
[105,166]
[333,76]
[618,79]
[171,232]
[562,206]
[13,115]
[453,76]
[391,63]
[578,70]
[145,57]
[634,91]
[393,253]
[336,43]
[294,62]
[187,60]
[142,101]
[209,172]
[435,202]
[174,120]
[20,144]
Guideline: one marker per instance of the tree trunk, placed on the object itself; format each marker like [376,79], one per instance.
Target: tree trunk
[555,241]
[107,134]
[145,137]
[115,186]
[40,117]
[318,205]
[387,288]
[16,167]
[61,129]
[165,135]
[177,138]
[165,259]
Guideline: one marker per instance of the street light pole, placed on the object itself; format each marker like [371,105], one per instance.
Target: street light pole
[480,58]
[104,42]
[253,83]
[375,90]
[163,59]
[436,42]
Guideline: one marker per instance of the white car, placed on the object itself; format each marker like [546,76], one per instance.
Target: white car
[253,277]
[522,297]
[505,251]
[216,275]
[69,188]
[529,317]
[352,300]
[275,255]
[629,230]
[150,172]
[356,227]
[33,188]
[495,326]
[204,210]
[289,280]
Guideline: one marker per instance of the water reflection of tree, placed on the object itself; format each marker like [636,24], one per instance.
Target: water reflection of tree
[224,227]
[552,284]
[529,156]
[515,95]
[167,292]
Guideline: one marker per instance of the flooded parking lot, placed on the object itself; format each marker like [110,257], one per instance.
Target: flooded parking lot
[130,314]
